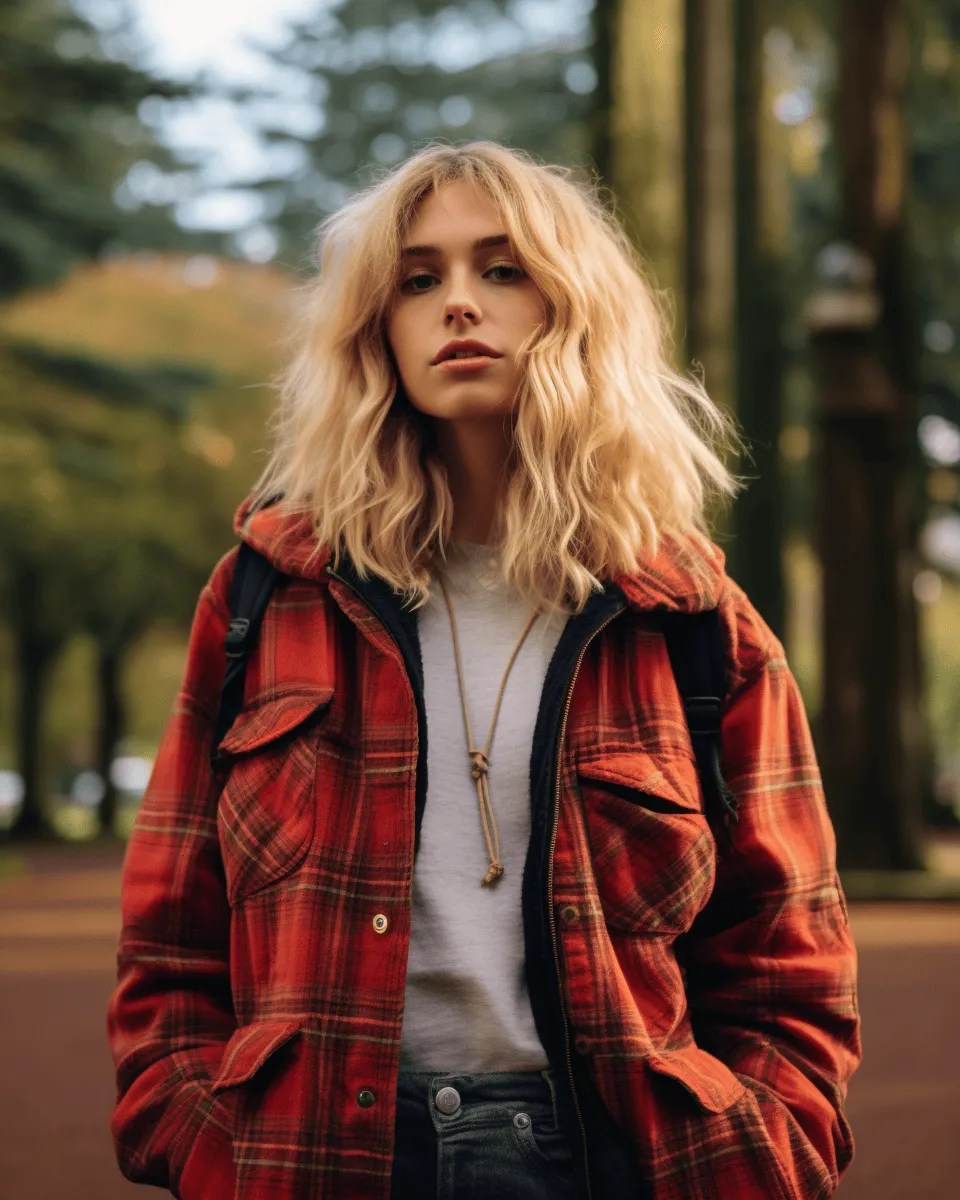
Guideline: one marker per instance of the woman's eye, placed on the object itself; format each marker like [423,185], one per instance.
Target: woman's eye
[518,271]
[410,284]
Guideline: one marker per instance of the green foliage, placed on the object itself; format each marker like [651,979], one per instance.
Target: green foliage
[118,508]
[392,77]
[94,479]
[163,388]
[115,464]
[69,131]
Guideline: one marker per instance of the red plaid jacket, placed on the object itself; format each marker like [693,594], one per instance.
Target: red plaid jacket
[698,1005]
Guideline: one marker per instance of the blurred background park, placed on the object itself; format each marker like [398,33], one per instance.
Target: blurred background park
[790,170]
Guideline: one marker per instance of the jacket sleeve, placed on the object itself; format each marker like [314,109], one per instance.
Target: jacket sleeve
[171,1011]
[771,965]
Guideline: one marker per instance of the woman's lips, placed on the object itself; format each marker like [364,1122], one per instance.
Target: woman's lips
[463,366]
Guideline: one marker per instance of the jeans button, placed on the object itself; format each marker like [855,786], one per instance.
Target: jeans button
[447,1100]
[521,1120]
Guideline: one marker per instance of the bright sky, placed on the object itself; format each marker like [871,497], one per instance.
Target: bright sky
[191,39]
[191,35]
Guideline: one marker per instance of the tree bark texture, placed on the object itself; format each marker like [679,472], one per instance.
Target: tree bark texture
[873,741]
[757,552]
[35,650]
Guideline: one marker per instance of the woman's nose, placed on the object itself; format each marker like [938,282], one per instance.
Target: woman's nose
[460,300]
[460,309]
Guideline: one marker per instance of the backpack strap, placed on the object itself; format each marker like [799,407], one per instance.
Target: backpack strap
[254,578]
[695,645]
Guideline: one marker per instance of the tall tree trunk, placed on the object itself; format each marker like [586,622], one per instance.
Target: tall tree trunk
[875,219]
[647,58]
[872,737]
[604,22]
[756,555]
[35,651]
[708,196]
[111,726]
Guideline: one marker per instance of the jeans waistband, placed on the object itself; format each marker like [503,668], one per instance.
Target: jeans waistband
[530,1088]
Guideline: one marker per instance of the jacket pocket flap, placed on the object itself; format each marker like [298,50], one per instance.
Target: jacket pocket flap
[270,719]
[249,1048]
[710,1081]
[673,780]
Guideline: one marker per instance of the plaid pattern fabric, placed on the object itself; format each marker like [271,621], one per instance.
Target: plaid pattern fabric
[709,1000]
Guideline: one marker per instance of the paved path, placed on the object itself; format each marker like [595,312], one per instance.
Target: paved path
[58,934]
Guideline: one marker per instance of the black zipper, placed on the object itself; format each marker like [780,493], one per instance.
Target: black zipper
[552,922]
[553,838]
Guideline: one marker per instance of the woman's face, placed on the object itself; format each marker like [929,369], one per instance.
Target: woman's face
[450,288]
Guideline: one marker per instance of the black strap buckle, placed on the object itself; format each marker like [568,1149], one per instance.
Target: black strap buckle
[237,637]
[703,713]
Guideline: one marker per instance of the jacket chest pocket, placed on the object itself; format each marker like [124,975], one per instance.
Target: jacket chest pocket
[653,854]
[267,807]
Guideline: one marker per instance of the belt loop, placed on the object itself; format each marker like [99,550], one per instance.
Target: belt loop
[548,1076]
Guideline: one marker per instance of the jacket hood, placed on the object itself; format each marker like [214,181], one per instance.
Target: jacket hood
[662,581]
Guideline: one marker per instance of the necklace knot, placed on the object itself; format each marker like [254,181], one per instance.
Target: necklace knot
[480,765]
[494,871]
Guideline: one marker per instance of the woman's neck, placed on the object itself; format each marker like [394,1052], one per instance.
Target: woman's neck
[476,455]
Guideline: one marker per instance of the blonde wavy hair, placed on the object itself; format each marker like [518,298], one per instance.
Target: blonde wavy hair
[613,449]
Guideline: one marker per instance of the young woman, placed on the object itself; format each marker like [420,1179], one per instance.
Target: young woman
[451,921]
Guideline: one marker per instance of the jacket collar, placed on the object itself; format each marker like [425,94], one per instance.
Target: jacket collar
[657,582]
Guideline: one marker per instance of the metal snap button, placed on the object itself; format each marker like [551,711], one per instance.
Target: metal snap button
[521,1120]
[365,1097]
[380,923]
[447,1100]
[581,1044]
[570,913]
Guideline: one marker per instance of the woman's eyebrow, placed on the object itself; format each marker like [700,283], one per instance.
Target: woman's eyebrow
[495,239]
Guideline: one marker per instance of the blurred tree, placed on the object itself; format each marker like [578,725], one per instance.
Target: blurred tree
[70,131]
[934,121]
[788,172]
[646,66]
[692,170]
[71,518]
[756,553]
[388,78]
[874,744]
[115,507]
[604,20]
[708,207]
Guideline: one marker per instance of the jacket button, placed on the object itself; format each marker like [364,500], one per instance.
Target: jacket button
[365,1097]
[380,923]
[581,1044]
[570,913]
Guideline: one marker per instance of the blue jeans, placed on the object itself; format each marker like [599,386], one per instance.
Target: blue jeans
[481,1136]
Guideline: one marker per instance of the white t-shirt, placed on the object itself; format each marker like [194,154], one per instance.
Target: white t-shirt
[466,1005]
